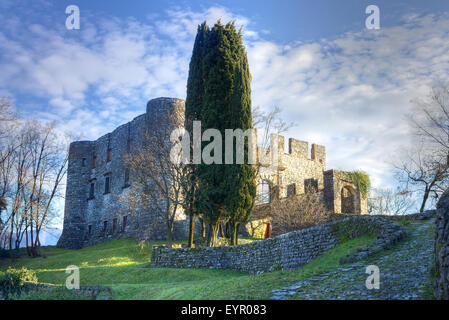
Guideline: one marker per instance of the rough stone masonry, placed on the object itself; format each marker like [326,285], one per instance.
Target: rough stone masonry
[441,284]
[287,251]
[97,177]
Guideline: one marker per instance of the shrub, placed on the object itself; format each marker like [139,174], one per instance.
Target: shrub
[298,212]
[361,179]
[13,280]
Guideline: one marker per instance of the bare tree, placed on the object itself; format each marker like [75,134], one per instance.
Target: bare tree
[431,117]
[423,170]
[423,167]
[298,212]
[390,202]
[267,123]
[31,177]
[158,180]
[49,159]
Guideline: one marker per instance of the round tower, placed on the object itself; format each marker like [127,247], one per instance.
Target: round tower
[166,111]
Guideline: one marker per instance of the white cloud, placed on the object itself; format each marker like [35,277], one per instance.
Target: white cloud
[352,93]
[349,93]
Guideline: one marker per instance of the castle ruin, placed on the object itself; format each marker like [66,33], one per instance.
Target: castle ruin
[97,177]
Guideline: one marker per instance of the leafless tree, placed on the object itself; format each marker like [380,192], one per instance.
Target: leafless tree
[158,182]
[423,170]
[31,177]
[268,123]
[48,158]
[430,117]
[423,167]
[390,202]
[297,212]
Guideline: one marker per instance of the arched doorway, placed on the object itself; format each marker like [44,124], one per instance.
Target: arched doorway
[348,200]
[267,233]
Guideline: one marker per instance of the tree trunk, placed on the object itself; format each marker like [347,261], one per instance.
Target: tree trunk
[27,240]
[203,228]
[37,245]
[212,236]
[191,230]
[228,232]
[220,226]
[11,232]
[235,231]
[169,235]
[426,196]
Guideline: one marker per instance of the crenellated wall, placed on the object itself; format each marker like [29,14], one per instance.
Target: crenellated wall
[296,167]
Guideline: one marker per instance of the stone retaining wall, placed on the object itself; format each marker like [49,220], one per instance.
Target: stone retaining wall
[441,283]
[284,252]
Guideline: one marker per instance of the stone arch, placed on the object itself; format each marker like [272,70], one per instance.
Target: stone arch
[348,197]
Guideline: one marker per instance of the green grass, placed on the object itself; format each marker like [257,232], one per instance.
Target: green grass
[123,266]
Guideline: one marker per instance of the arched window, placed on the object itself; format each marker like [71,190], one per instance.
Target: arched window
[263,193]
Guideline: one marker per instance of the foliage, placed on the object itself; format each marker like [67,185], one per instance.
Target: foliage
[361,179]
[13,280]
[219,94]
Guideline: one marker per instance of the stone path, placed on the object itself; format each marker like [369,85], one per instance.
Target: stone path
[404,272]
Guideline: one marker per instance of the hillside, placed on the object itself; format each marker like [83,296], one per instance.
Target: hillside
[122,265]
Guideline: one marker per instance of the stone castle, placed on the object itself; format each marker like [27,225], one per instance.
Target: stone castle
[97,177]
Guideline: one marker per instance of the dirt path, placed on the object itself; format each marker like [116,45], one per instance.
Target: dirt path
[404,273]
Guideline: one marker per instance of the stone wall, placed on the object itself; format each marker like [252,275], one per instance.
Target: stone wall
[97,215]
[284,252]
[94,214]
[441,284]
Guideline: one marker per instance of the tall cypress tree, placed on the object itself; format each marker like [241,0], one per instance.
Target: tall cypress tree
[195,91]
[219,82]
[242,190]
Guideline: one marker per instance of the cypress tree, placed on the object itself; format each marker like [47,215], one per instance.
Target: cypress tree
[195,89]
[218,94]
[242,188]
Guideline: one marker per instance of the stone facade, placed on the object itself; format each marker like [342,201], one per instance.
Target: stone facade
[284,252]
[441,284]
[97,177]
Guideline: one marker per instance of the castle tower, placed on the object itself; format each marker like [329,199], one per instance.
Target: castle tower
[159,108]
[97,176]
[75,199]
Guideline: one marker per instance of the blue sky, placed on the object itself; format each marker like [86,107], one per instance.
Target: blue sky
[346,87]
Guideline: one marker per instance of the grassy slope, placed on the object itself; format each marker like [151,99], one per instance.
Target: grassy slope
[122,265]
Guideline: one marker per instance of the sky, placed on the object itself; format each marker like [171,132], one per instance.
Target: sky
[345,86]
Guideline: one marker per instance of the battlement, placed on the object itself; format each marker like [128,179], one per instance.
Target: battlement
[299,149]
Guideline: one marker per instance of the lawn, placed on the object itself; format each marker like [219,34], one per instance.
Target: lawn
[122,265]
